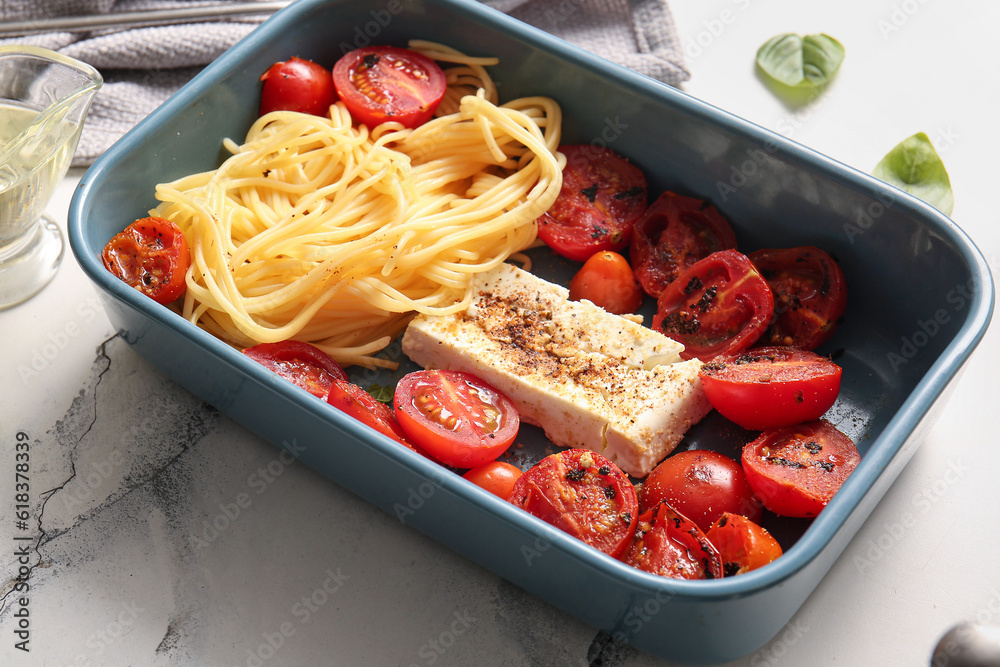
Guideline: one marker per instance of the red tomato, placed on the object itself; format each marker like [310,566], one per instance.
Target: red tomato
[607,280]
[675,232]
[810,295]
[602,196]
[667,544]
[701,485]
[583,494]
[306,365]
[717,305]
[496,477]
[297,85]
[743,545]
[769,387]
[152,256]
[796,470]
[459,419]
[358,403]
[386,83]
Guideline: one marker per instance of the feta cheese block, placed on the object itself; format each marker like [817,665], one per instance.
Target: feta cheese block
[587,377]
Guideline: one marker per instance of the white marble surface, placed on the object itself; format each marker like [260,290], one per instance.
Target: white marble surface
[164,534]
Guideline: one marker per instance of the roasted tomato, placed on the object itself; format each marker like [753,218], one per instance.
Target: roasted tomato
[668,544]
[810,295]
[602,196]
[718,305]
[701,485]
[674,233]
[297,85]
[385,83]
[496,477]
[796,470]
[583,494]
[743,544]
[358,403]
[769,387]
[459,419]
[152,256]
[306,365]
[606,279]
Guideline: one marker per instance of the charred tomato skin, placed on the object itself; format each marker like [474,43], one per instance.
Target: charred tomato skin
[718,305]
[670,545]
[772,386]
[151,255]
[675,232]
[810,295]
[796,470]
[602,197]
[583,494]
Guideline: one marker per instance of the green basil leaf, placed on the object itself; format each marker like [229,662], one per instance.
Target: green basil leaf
[795,61]
[380,393]
[914,166]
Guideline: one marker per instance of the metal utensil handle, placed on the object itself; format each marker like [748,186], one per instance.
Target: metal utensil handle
[135,19]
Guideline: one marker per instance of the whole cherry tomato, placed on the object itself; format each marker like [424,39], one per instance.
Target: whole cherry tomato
[496,477]
[607,280]
[701,485]
[297,85]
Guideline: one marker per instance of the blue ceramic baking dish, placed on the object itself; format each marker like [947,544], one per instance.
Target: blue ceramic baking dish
[920,300]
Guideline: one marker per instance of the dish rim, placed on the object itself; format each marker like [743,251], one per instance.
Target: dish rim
[904,425]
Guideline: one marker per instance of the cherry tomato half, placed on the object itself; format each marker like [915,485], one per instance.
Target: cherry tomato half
[358,403]
[743,544]
[602,196]
[769,387]
[668,544]
[674,233]
[297,85]
[701,485]
[606,279]
[459,419]
[796,470]
[810,295]
[383,83]
[306,365]
[583,494]
[718,305]
[152,256]
[496,477]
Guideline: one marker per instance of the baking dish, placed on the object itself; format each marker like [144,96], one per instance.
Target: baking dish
[920,300]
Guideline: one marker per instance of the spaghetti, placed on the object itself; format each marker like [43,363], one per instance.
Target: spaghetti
[323,231]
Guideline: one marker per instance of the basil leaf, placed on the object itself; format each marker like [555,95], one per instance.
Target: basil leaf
[380,393]
[914,166]
[801,62]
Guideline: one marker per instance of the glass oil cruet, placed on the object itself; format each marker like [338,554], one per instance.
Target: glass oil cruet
[44,99]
